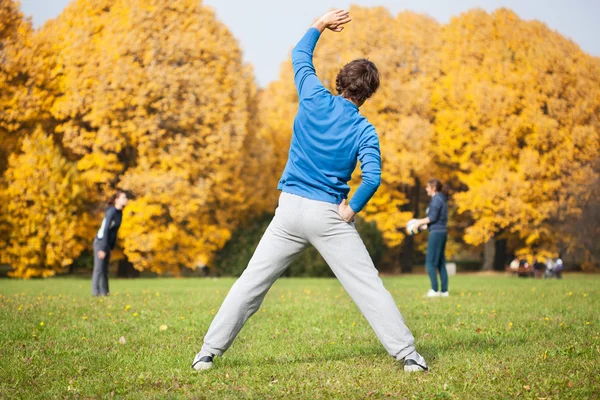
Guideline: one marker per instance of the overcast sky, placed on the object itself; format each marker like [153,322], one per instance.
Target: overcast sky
[268,29]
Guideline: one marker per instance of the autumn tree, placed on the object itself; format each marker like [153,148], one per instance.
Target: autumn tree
[26,80]
[153,96]
[157,100]
[14,33]
[22,88]
[44,209]
[585,230]
[516,122]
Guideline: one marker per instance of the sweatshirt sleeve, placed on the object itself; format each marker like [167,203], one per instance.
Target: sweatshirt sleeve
[370,164]
[305,76]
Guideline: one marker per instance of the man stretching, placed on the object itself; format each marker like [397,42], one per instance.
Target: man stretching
[329,136]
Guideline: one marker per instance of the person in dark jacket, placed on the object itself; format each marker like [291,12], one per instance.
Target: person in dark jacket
[437,221]
[105,241]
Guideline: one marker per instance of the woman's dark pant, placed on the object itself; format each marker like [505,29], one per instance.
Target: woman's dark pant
[436,260]
[100,274]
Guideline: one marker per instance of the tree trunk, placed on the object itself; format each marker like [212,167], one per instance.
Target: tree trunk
[500,254]
[489,254]
[408,245]
[406,260]
[126,270]
[417,190]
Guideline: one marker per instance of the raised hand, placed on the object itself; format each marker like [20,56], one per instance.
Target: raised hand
[333,20]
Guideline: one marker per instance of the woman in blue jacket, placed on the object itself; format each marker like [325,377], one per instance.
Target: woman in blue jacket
[437,219]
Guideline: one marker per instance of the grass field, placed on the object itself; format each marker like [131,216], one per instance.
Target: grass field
[495,337]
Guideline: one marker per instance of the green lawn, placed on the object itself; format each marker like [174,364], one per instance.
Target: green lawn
[495,337]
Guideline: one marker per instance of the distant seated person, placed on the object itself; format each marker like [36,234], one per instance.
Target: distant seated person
[558,268]
[525,269]
[514,264]
[538,267]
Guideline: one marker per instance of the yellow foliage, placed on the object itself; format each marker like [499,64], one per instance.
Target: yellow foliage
[517,124]
[153,96]
[14,33]
[44,210]
[156,100]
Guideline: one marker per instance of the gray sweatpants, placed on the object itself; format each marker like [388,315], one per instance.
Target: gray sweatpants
[100,273]
[298,223]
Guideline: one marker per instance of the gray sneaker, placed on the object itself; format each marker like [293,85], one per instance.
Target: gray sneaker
[203,360]
[415,363]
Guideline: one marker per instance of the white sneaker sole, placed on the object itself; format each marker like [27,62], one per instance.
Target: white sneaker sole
[200,366]
[413,368]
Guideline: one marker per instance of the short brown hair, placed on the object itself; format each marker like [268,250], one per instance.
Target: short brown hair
[358,80]
[438,186]
[118,192]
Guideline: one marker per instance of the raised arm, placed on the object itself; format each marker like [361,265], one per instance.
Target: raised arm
[305,76]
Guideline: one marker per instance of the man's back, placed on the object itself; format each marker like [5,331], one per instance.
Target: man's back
[329,136]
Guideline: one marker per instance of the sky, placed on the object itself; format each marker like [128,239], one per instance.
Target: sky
[268,29]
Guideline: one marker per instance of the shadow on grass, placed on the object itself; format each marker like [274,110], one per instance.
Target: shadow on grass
[298,358]
[476,345]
